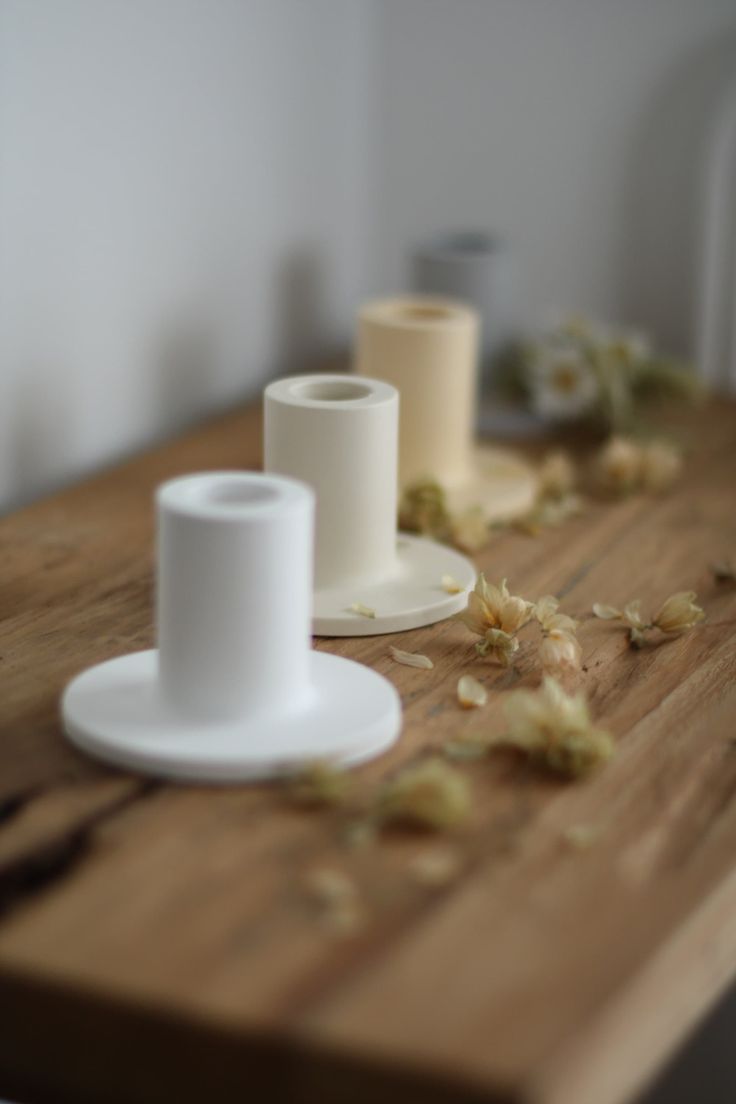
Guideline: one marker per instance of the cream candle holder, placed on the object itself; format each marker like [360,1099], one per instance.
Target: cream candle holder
[428,349]
[233,692]
[340,435]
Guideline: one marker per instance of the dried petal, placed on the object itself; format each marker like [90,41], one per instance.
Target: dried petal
[429,795]
[452,586]
[471,693]
[364,611]
[679,612]
[411,659]
[606,613]
[423,509]
[547,614]
[469,531]
[466,747]
[498,645]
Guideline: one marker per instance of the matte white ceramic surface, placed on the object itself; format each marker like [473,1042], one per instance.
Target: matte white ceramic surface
[233,691]
[428,349]
[340,435]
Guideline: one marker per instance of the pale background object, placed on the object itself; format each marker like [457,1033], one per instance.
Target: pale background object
[195,197]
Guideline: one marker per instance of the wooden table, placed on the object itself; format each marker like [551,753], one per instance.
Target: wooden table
[157,942]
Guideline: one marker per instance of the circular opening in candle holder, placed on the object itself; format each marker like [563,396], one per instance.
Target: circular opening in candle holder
[332,390]
[240,493]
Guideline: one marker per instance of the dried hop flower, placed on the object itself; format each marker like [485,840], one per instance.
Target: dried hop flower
[431,794]
[619,466]
[678,613]
[661,465]
[556,475]
[555,730]
[496,615]
[560,653]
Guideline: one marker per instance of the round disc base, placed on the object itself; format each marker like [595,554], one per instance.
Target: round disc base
[500,483]
[413,596]
[114,711]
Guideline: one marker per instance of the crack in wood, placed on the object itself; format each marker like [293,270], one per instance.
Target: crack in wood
[41,867]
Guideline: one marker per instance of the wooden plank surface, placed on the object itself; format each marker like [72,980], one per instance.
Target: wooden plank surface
[157,942]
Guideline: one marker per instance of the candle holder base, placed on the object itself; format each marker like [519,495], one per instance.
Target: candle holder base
[411,597]
[501,483]
[115,712]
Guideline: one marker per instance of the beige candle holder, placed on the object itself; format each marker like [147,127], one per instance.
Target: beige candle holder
[428,349]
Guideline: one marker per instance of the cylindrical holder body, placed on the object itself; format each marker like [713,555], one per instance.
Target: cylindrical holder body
[428,349]
[476,268]
[234,593]
[340,435]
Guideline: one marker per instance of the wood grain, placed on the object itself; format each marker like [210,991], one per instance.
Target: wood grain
[157,942]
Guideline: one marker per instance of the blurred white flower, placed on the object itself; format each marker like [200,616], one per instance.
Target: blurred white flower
[563,384]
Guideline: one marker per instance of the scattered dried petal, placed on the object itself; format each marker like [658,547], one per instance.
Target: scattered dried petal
[364,611]
[411,659]
[430,795]
[606,613]
[470,693]
[679,612]
[437,867]
[452,586]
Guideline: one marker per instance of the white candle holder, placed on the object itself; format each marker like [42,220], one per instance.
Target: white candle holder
[428,349]
[233,691]
[340,435]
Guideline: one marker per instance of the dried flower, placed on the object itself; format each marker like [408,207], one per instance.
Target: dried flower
[430,794]
[471,693]
[547,512]
[660,466]
[556,475]
[562,382]
[499,645]
[560,653]
[423,509]
[724,571]
[492,607]
[437,867]
[555,730]
[319,783]
[619,466]
[411,659]
[452,586]
[364,611]
[546,611]
[678,613]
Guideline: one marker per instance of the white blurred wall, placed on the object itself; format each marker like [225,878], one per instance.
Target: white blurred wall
[576,128]
[182,204]
[195,194]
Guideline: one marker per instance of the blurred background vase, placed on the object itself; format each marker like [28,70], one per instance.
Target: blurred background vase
[474,267]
